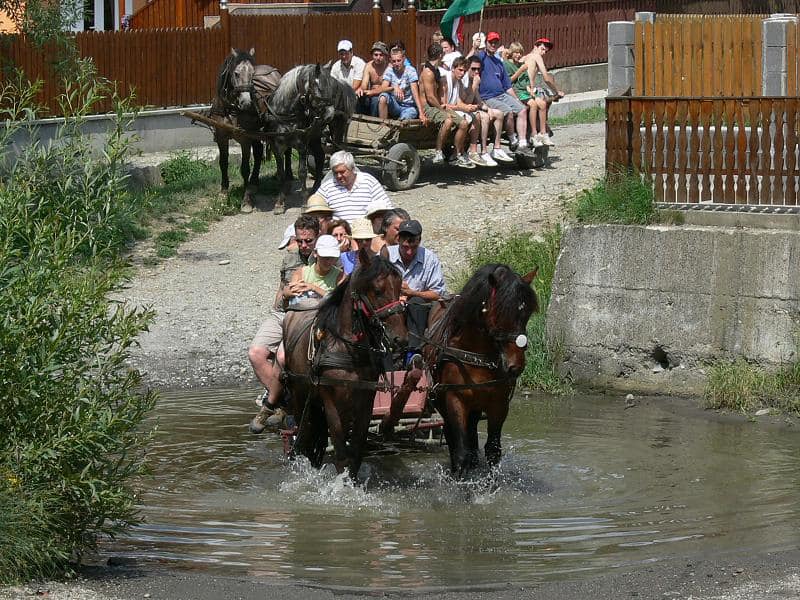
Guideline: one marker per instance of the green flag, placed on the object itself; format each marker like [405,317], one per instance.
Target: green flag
[453,20]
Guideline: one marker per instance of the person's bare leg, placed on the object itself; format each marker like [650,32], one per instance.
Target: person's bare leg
[473,134]
[262,365]
[522,126]
[498,128]
[443,131]
[460,137]
[383,107]
[508,123]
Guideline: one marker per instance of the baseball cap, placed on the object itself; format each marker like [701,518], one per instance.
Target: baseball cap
[411,227]
[381,47]
[345,45]
[545,41]
[362,229]
[288,234]
[376,206]
[327,246]
[492,36]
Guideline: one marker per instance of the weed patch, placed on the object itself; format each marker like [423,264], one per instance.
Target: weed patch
[626,200]
[743,387]
[582,116]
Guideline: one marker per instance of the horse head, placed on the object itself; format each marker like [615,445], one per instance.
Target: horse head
[508,308]
[235,81]
[376,295]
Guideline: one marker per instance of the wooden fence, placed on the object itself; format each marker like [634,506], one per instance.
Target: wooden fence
[718,150]
[699,55]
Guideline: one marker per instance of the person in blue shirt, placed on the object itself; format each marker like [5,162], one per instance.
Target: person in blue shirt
[400,98]
[497,92]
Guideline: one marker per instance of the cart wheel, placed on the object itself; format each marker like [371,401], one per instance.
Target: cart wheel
[402,176]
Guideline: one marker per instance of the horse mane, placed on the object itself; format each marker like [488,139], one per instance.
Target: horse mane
[298,79]
[227,67]
[359,282]
[286,95]
[510,292]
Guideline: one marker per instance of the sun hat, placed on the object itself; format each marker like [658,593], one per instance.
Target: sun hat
[381,47]
[411,227]
[316,203]
[362,229]
[480,36]
[492,36]
[288,234]
[376,206]
[545,41]
[345,45]
[327,246]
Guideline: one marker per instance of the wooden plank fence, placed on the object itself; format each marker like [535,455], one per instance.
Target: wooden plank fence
[699,55]
[724,150]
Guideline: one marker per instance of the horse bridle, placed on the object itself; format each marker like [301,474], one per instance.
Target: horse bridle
[375,317]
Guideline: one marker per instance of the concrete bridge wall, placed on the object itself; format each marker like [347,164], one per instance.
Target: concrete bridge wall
[647,308]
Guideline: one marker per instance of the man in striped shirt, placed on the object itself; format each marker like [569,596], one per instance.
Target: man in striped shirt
[349,191]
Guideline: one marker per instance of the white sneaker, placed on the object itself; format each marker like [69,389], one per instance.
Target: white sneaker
[522,145]
[536,141]
[512,139]
[500,155]
[547,140]
[438,157]
[487,158]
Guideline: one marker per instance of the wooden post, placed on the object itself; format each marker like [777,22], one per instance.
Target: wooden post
[225,23]
[411,44]
[377,29]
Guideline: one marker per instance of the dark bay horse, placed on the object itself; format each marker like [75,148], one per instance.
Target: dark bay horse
[307,102]
[234,106]
[335,356]
[475,350]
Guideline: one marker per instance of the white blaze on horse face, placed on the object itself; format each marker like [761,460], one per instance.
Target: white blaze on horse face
[242,79]
[521,341]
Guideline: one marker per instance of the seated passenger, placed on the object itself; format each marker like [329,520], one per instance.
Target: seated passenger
[362,236]
[340,229]
[316,280]
[372,82]
[450,53]
[485,115]
[349,68]
[452,93]
[543,96]
[400,98]
[389,229]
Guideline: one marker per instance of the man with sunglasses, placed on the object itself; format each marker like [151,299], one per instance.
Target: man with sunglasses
[497,91]
[372,80]
[265,344]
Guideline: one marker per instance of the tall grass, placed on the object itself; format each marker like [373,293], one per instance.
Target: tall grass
[525,252]
[624,199]
[742,387]
[70,411]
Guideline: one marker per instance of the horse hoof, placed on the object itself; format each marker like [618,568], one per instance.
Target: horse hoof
[247,207]
[279,209]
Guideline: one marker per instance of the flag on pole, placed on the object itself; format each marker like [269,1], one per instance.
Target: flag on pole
[453,20]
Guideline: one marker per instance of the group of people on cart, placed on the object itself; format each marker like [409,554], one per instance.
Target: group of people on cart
[350,211]
[492,86]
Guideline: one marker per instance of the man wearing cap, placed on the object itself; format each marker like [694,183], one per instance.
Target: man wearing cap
[350,191]
[423,280]
[317,207]
[373,80]
[543,96]
[348,69]
[497,92]
[265,344]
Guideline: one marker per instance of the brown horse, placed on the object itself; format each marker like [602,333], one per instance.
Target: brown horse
[475,350]
[335,356]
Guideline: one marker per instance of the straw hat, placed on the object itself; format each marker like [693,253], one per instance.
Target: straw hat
[377,206]
[362,229]
[316,203]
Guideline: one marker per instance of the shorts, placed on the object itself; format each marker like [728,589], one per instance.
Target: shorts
[544,93]
[270,333]
[439,115]
[397,110]
[506,103]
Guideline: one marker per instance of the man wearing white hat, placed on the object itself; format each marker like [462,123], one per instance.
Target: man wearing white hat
[349,68]
[376,210]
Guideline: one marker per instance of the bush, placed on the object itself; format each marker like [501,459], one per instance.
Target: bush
[623,199]
[743,387]
[71,412]
[524,252]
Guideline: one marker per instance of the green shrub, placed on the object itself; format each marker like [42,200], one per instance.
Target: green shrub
[525,252]
[184,172]
[626,199]
[71,411]
[743,387]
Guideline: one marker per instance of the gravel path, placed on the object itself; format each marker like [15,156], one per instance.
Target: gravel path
[213,295]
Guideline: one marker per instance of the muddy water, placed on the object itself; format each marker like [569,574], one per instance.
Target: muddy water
[586,484]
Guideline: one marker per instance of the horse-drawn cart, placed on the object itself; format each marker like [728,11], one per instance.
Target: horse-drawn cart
[393,147]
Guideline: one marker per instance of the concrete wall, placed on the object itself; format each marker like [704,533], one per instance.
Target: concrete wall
[646,308]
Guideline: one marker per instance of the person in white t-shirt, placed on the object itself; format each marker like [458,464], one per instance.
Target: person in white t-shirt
[349,68]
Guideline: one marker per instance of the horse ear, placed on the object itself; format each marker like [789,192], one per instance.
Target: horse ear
[233,51]
[385,252]
[253,52]
[364,256]
[531,276]
[317,70]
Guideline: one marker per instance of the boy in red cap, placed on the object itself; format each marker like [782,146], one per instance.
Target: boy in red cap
[542,96]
